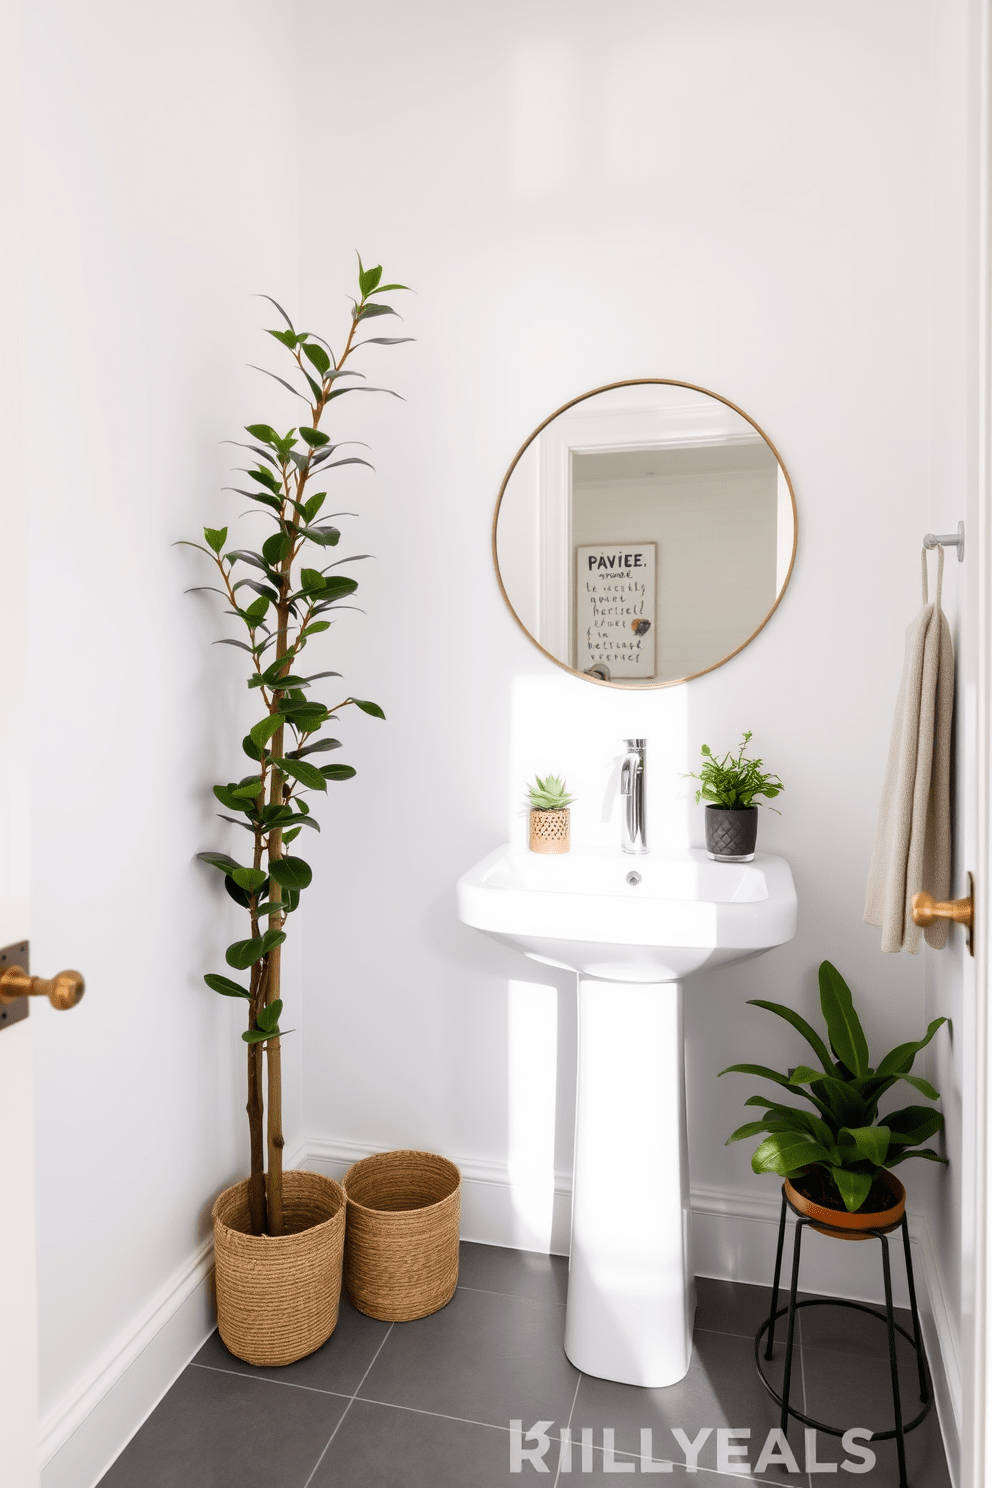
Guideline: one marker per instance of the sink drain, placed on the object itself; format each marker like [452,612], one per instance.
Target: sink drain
[633,878]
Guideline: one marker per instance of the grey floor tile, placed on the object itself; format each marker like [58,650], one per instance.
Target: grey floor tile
[722,1388]
[485,1357]
[848,1392]
[338,1366]
[848,1330]
[522,1273]
[217,1430]
[733,1307]
[381,1444]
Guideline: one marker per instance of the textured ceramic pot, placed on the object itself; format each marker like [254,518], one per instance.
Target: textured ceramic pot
[731,835]
[549,831]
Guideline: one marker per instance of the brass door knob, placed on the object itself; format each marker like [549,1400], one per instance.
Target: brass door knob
[927,909]
[63,990]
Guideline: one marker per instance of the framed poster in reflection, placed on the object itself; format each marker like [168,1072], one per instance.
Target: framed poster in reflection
[615,611]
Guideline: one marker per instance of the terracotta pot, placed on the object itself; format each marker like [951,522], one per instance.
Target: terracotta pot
[853,1225]
[549,831]
[277,1296]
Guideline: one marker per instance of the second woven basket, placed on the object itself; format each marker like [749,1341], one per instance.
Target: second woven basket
[401,1241]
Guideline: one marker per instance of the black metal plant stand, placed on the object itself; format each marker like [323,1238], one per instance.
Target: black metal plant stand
[887,1317]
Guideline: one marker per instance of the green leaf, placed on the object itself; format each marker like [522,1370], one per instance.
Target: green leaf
[256,610]
[314,629]
[367,311]
[923,1086]
[263,731]
[913,1124]
[900,1060]
[264,432]
[749,1129]
[321,747]
[338,772]
[313,437]
[801,1026]
[927,1152]
[304,716]
[870,1142]
[373,709]
[368,278]
[216,537]
[249,879]
[854,1187]
[803,1075]
[318,357]
[268,1016]
[307,775]
[275,548]
[219,860]
[271,939]
[843,1101]
[291,873]
[244,953]
[225,986]
[785,1152]
[847,1037]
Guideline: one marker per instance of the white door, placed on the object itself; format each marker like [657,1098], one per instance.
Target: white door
[18,1315]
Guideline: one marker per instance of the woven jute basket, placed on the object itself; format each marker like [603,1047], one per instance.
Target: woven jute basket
[549,831]
[277,1296]
[401,1248]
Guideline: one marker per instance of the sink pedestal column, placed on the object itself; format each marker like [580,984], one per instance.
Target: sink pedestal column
[631,1294]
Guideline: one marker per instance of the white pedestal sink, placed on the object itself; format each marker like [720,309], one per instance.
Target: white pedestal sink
[630,1290]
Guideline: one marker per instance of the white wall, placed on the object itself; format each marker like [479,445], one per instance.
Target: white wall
[159,160]
[741,197]
[738,197]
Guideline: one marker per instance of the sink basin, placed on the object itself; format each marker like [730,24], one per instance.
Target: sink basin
[631,1297]
[579,911]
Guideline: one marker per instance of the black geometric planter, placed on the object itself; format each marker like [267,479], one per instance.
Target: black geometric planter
[731,835]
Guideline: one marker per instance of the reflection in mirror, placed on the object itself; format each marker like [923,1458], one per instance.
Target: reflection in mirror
[645,533]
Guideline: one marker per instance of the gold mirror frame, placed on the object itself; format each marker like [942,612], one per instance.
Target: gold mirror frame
[622,685]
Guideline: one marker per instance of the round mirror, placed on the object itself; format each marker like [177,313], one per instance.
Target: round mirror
[645,533]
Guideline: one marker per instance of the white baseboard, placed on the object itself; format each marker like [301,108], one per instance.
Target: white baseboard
[733,1239]
[85,1431]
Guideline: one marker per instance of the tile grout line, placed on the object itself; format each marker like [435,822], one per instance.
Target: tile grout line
[263,1379]
[518,1296]
[568,1424]
[348,1407]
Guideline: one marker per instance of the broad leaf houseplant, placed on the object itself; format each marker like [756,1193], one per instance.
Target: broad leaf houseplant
[838,1155]
[731,786]
[283,594]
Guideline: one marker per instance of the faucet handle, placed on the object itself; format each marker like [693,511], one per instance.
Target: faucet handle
[634,743]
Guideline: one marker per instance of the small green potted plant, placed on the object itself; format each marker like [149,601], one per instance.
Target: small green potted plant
[836,1157]
[549,815]
[731,785]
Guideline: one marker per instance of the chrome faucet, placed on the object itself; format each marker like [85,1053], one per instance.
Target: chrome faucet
[633,827]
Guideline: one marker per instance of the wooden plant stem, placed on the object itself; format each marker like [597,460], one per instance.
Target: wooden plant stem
[276,1141]
[256,1182]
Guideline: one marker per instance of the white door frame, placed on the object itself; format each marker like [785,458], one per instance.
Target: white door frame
[976,1467]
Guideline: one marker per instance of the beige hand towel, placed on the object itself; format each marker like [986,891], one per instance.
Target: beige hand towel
[913,836]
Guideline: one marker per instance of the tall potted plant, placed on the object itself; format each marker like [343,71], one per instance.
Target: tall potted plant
[283,594]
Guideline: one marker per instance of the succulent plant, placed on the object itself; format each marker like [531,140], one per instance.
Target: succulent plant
[549,794]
